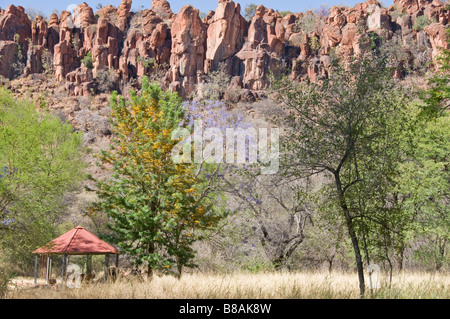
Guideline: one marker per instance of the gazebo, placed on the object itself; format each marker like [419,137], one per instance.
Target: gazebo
[77,241]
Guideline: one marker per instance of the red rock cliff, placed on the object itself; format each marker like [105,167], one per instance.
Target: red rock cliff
[186,47]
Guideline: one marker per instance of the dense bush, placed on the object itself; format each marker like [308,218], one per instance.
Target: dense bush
[308,24]
[88,61]
[5,277]
[422,22]
[106,81]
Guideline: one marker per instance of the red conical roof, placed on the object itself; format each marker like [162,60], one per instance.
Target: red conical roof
[77,241]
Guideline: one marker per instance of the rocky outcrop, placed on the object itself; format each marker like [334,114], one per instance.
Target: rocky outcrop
[105,48]
[123,13]
[39,31]
[80,81]
[147,44]
[437,34]
[225,35]
[188,50]
[268,47]
[8,55]
[162,9]
[15,26]
[181,50]
[83,16]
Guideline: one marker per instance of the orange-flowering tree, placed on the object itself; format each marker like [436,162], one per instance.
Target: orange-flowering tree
[155,206]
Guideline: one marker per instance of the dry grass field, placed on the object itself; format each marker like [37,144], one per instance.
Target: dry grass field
[246,286]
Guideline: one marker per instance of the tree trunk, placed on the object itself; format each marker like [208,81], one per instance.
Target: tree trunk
[401,258]
[149,272]
[441,253]
[280,261]
[106,275]
[180,269]
[353,237]
[358,257]
[330,260]
[151,250]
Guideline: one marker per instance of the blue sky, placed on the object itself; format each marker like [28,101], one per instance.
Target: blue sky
[203,5]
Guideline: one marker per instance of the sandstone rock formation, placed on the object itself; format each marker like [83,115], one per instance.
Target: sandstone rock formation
[8,54]
[123,13]
[182,49]
[437,36]
[83,16]
[188,50]
[225,34]
[162,9]
[15,26]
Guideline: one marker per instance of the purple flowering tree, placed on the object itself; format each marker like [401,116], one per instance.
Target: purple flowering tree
[280,208]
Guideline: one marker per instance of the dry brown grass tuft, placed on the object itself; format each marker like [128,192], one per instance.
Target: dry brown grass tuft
[252,286]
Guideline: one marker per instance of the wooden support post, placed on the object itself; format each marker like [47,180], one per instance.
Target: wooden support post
[46,274]
[65,267]
[106,267]
[62,271]
[117,261]
[88,264]
[50,270]
[35,269]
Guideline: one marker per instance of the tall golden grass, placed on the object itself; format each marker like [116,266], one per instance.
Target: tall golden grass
[250,286]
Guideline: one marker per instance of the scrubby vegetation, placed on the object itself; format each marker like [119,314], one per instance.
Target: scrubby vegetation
[422,22]
[88,61]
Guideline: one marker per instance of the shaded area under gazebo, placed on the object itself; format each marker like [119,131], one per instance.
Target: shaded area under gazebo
[77,241]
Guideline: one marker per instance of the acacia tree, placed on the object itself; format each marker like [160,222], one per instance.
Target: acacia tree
[155,205]
[335,126]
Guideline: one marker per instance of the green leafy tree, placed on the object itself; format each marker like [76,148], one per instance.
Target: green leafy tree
[88,61]
[338,128]
[250,11]
[285,13]
[155,206]
[380,218]
[40,161]
[422,22]
[424,182]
